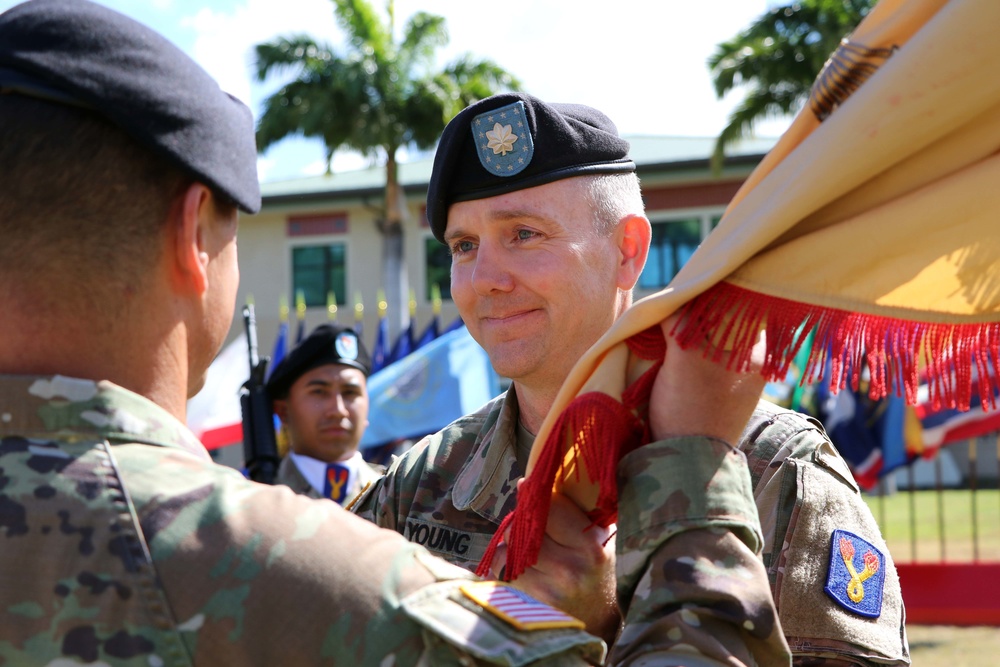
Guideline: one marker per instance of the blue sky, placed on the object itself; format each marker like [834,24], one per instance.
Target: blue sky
[642,62]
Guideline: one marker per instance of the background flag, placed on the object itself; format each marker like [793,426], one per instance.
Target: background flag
[875,436]
[431,332]
[944,425]
[359,315]
[380,350]
[300,315]
[457,324]
[281,342]
[404,344]
[213,414]
[429,389]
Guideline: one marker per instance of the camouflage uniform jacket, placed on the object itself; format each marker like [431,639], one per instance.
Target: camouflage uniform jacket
[452,489]
[122,543]
[290,476]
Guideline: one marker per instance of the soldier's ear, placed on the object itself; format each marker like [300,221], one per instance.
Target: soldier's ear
[633,236]
[192,212]
[280,407]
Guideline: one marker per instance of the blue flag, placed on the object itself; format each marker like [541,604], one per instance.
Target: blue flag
[429,334]
[871,435]
[380,351]
[457,324]
[403,346]
[280,347]
[429,389]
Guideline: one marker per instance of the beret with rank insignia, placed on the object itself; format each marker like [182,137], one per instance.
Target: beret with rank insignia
[327,344]
[514,141]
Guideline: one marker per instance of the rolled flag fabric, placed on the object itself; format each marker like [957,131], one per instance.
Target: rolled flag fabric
[872,224]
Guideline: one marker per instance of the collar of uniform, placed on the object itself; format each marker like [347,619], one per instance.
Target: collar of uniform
[36,405]
[314,470]
[289,475]
[483,484]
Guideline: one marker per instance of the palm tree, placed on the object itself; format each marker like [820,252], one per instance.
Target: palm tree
[777,58]
[375,97]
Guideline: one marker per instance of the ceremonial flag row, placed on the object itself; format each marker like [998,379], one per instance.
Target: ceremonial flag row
[878,436]
[439,382]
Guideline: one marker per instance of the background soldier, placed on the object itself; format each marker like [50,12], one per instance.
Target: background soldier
[320,393]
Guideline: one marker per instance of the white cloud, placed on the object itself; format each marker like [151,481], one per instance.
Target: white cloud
[265,166]
[225,39]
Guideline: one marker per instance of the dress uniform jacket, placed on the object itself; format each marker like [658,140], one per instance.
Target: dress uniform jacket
[289,475]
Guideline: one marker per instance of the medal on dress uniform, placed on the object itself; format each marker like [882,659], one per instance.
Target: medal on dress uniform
[335,482]
[857,574]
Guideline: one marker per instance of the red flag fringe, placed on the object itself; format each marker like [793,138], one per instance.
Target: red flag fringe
[601,430]
[894,349]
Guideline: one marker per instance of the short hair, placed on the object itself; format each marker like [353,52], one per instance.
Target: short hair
[612,197]
[82,198]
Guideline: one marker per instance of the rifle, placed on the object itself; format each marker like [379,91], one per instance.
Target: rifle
[260,448]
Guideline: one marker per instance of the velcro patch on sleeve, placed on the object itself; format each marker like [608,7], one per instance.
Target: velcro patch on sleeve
[857,574]
[518,608]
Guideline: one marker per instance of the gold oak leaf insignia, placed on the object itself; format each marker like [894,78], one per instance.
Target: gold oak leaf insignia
[501,139]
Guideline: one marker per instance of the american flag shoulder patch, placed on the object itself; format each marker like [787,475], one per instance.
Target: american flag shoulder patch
[518,608]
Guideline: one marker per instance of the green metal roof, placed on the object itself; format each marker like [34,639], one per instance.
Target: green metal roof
[647,151]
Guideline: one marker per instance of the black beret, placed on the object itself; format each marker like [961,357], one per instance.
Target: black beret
[78,52]
[514,141]
[327,344]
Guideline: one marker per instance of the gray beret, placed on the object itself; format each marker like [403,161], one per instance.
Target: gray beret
[514,141]
[81,53]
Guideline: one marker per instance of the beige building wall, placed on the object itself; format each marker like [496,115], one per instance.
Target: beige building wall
[265,259]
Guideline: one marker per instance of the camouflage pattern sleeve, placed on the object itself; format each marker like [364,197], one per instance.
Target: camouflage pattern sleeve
[690,582]
[261,575]
[816,528]
[122,543]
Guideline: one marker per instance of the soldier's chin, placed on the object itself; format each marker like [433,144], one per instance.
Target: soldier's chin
[195,384]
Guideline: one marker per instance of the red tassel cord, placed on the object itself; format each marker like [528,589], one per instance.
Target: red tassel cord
[602,430]
[729,317]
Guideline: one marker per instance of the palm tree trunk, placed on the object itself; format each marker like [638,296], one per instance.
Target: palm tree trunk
[394,275]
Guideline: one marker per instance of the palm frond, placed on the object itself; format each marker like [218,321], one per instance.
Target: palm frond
[296,53]
[422,36]
[364,27]
[778,56]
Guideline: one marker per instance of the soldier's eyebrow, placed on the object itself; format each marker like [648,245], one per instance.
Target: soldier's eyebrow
[501,215]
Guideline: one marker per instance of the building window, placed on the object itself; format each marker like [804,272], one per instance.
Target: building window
[438,267]
[318,270]
[674,240]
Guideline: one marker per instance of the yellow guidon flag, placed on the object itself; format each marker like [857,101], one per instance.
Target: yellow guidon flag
[874,223]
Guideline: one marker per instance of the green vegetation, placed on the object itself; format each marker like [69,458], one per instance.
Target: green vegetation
[948,514]
[776,59]
[378,93]
[949,646]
